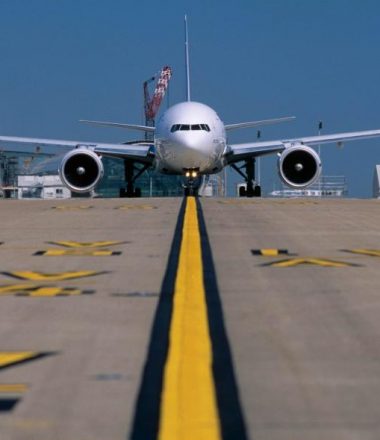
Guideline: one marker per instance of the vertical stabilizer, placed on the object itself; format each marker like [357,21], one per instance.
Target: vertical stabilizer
[187,61]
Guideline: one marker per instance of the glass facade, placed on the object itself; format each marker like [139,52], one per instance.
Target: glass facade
[152,184]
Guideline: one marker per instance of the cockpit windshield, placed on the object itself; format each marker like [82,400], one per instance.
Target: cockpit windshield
[186,127]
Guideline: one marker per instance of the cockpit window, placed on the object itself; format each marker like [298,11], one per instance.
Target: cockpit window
[186,127]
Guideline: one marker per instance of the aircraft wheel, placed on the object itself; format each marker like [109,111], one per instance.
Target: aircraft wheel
[257,191]
[242,191]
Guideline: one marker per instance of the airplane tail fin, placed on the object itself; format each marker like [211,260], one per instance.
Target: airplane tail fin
[187,61]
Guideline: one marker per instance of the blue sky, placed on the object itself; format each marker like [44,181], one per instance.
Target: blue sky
[66,60]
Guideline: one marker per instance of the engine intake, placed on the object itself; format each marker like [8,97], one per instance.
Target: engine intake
[299,166]
[81,169]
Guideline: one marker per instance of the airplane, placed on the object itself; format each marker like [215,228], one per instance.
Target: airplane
[190,140]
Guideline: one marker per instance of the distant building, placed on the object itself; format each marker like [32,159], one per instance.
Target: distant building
[41,187]
[376,182]
[326,186]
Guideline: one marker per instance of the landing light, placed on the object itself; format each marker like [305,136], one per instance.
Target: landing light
[194,174]
[187,174]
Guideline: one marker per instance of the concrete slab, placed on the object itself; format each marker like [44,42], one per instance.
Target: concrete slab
[304,338]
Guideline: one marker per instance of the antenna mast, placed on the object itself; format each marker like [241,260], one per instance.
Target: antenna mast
[187,61]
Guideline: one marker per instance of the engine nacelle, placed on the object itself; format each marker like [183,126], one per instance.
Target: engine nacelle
[81,169]
[299,166]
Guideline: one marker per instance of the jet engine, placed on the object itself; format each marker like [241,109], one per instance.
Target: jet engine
[299,166]
[81,169]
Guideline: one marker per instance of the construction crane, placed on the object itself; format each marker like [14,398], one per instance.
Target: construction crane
[152,104]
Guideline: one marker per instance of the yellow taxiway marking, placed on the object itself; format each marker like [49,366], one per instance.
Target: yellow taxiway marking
[30,290]
[291,262]
[78,252]
[72,208]
[369,252]
[39,276]
[188,401]
[269,252]
[8,358]
[82,244]
[131,207]
[236,202]
[13,388]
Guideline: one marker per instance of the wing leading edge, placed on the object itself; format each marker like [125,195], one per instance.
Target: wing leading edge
[140,151]
[237,152]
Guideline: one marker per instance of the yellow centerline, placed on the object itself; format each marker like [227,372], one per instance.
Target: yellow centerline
[188,401]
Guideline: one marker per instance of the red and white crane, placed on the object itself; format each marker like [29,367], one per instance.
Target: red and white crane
[152,104]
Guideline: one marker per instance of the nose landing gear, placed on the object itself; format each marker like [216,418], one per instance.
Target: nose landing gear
[192,182]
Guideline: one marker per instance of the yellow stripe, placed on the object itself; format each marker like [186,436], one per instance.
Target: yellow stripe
[370,252]
[188,402]
[8,358]
[39,276]
[13,388]
[269,252]
[79,252]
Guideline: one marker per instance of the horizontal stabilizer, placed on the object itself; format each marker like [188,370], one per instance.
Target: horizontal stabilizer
[259,123]
[119,125]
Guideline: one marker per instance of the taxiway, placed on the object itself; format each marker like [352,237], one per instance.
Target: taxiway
[297,282]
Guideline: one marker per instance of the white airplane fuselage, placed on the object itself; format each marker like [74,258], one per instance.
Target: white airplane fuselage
[190,137]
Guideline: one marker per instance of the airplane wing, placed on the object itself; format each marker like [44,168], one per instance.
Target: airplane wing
[237,152]
[119,125]
[139,151]
[258,123]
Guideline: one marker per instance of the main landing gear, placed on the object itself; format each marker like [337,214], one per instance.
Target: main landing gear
[131,173]
[252,189]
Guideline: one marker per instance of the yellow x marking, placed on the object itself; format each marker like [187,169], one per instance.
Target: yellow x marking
[78,252]
[29,290]
[128,207]
[82,244]
[370,252]
[39,276]
[291,262]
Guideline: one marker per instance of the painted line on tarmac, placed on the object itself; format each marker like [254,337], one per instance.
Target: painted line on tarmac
[41,291]
[8,404]
[89,244]
[188,390]
[13,388]
[292,262]
[77,253]
[269,252]
[72,208]
[59,276]
[134,207]
[10,359]
[366,252]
